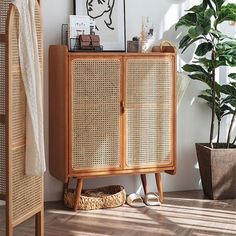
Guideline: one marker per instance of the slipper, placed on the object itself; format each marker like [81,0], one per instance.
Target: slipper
[152,199]
[135,200]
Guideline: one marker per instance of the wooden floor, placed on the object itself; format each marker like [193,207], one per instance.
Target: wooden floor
[183,213]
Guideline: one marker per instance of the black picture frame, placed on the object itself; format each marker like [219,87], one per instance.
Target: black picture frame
[110,21]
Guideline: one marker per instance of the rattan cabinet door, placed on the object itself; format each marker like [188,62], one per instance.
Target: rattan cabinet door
[95,114]
[149,110]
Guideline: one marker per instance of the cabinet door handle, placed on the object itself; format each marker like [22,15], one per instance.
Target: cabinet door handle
[122,107]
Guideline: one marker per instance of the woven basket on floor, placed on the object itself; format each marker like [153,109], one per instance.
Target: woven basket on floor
[104,197]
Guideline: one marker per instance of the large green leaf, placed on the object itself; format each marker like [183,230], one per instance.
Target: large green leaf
[232,76]
[226,52]
[190,43]
[233,84]
[210,64]
[184,41]
[203,49]
[195,68]
[204,20]
[201,77]
[207,3]
[227,13]
[220,107]
[218,4]
[197,8]
[195,32]
[207,98]
[187,20]
[219,35]
[208,14]
[229,90]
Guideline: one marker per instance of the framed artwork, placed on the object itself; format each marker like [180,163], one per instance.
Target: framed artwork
[109,18]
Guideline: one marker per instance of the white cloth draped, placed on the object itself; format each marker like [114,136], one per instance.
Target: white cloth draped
[32,79]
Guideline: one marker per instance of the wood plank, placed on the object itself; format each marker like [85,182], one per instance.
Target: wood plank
[26,216]
[58,115]
[39,223]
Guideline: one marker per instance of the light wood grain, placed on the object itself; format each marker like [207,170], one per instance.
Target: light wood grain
[144,183]
[78,190]
[159,186]
[58,115]
[183,214]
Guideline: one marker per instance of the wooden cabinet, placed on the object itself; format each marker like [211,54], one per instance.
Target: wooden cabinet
[111,113]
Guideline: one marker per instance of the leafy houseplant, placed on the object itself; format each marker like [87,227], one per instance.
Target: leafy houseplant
[214,51]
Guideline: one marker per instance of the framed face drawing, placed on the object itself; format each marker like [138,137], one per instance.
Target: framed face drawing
[109,17]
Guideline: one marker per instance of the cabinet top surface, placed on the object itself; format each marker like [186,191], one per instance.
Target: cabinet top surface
[167,51]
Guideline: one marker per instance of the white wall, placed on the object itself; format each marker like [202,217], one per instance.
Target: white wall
[193,116]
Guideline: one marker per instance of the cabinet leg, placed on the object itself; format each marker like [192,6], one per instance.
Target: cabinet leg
[159,186]
[144,183]
[65,186]
[78,190]
[9,230]
[39,223]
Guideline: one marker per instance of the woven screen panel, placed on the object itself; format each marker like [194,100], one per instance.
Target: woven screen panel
[18,100]
[26,190]
[149,111]
[4,5]
[2,159]
[95,113]
[2,78]
[2,125]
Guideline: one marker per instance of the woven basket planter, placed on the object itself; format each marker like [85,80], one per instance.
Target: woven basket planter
[104,197]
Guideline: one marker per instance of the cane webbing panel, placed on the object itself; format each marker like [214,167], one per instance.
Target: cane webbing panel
[26,190]
[2,78]
[95,113]
[2,160]
[4,5]
[149,108]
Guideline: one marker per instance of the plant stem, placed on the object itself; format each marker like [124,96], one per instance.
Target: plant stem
[234,141]
[230,129]
[213,57]
[218,134]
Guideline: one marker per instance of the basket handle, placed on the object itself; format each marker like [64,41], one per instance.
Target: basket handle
[165,42]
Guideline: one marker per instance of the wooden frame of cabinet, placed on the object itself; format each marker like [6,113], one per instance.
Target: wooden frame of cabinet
[60,116]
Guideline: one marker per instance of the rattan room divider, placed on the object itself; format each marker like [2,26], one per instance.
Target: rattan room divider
[23,194]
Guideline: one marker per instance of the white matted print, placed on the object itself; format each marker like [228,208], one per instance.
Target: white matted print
[109,16]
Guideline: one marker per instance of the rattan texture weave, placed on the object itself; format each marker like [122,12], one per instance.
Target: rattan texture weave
[149,109]
[3,16]
[26,190]
[104,197]
[95,113]
[2,159]
[4,4]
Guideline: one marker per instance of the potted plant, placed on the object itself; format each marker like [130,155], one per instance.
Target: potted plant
[217,161]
